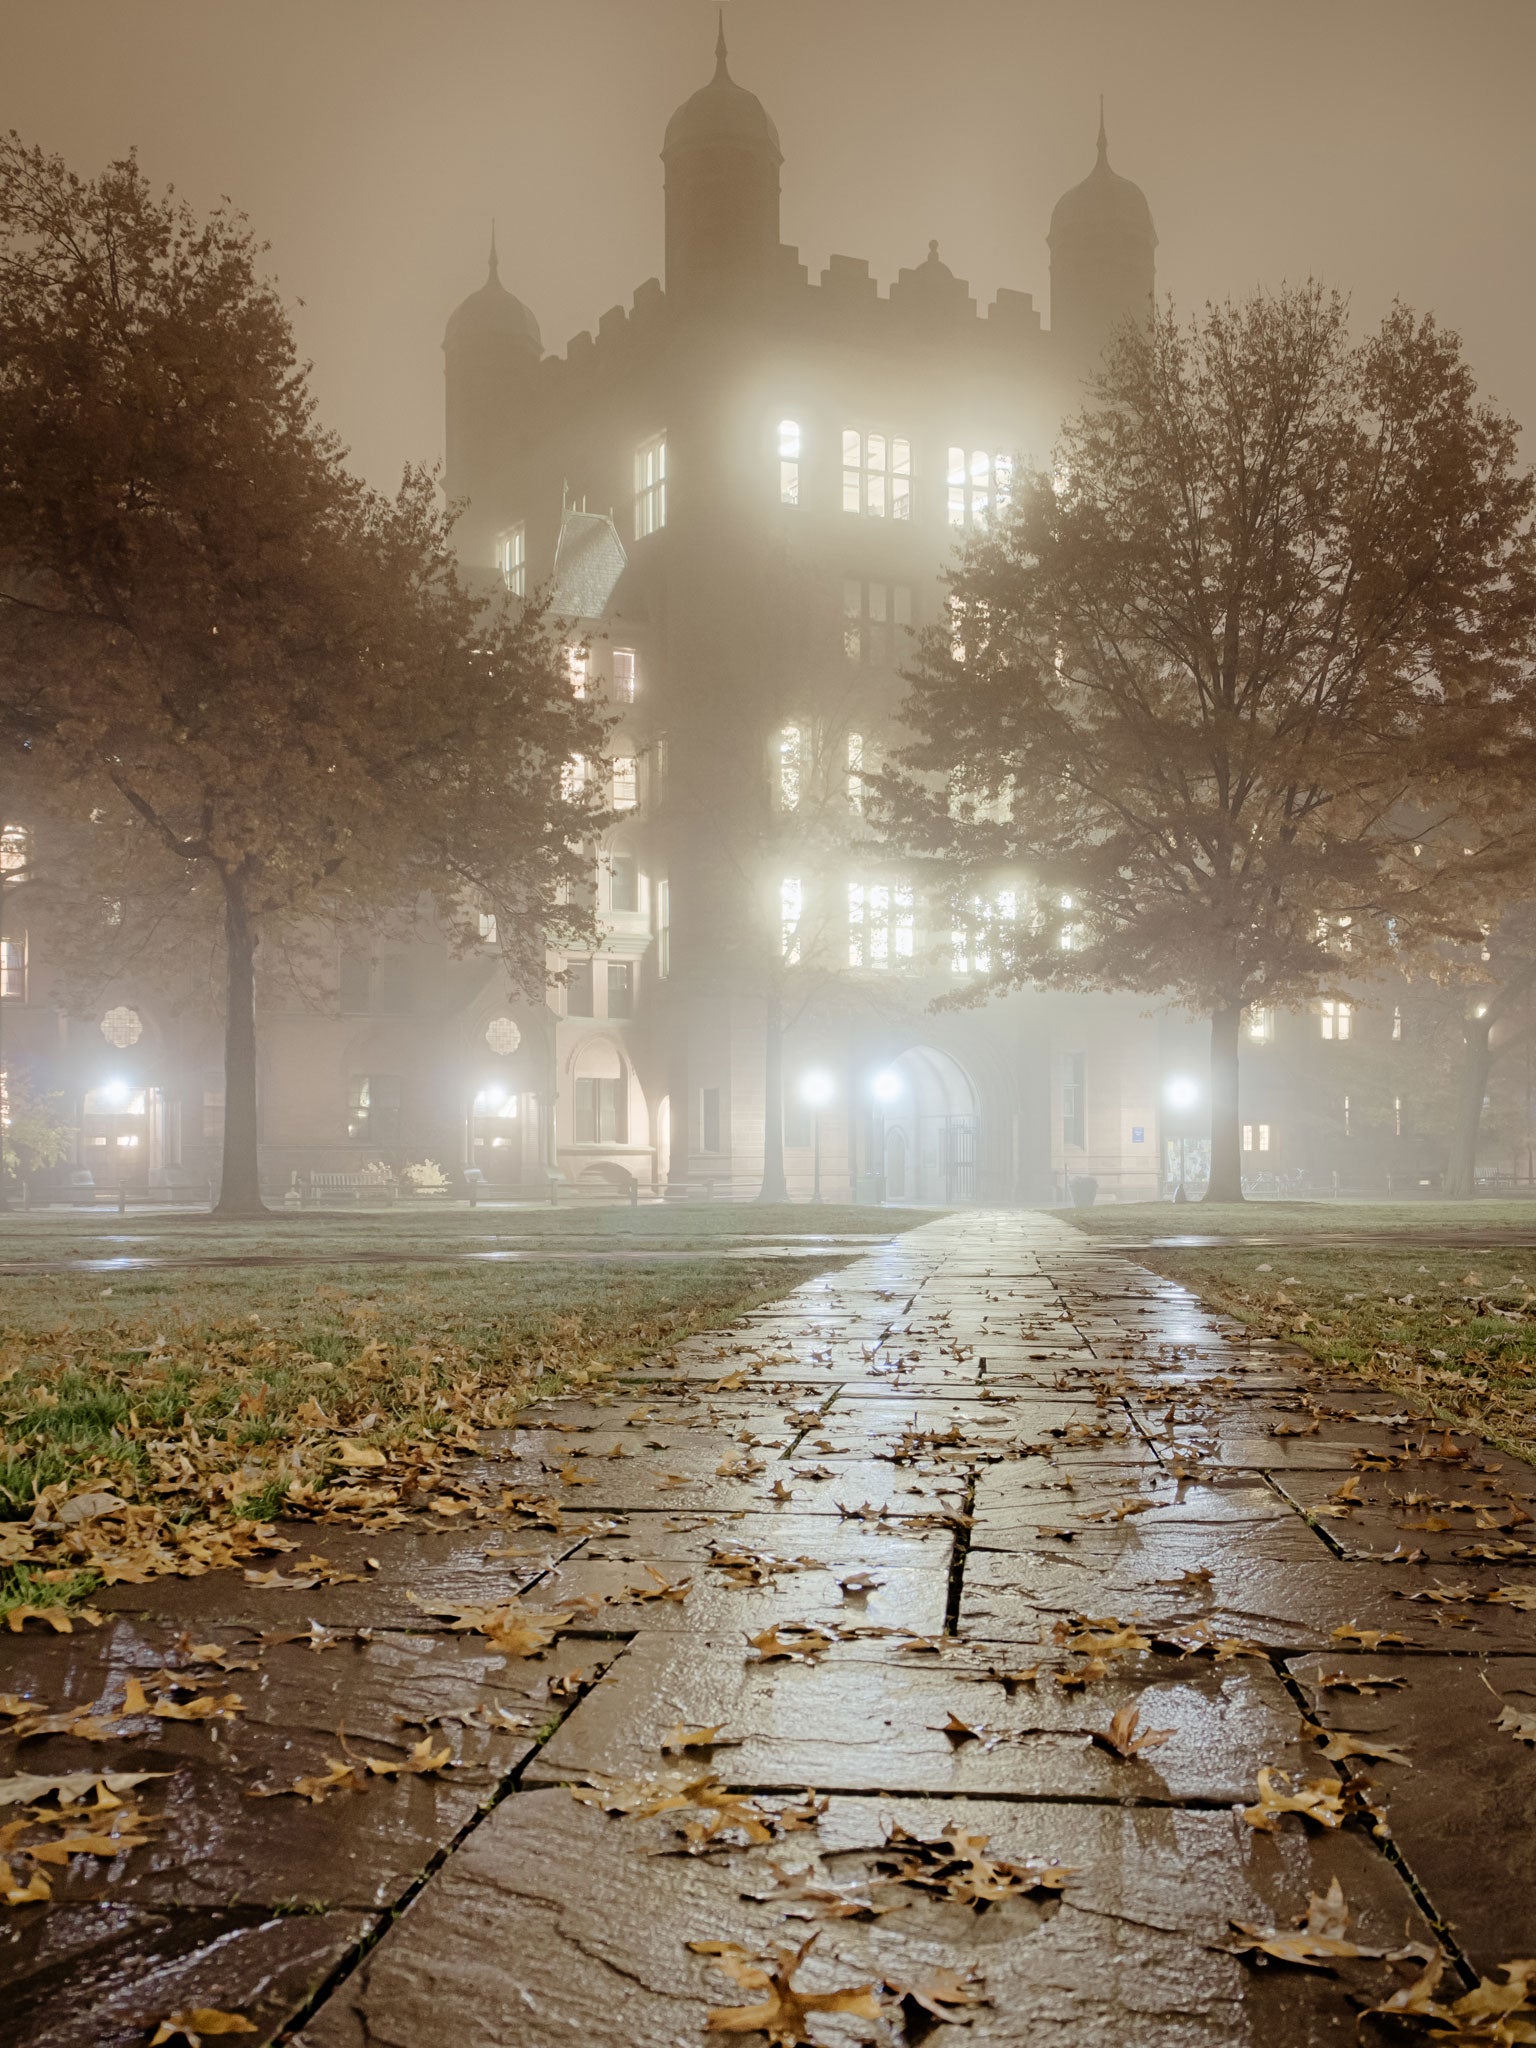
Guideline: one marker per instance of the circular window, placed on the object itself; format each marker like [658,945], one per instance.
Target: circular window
[122,1027]
[501,1035]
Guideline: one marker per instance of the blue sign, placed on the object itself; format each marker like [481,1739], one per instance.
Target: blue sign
[1138,1134]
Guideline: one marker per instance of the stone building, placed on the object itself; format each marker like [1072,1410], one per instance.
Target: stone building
[740,492]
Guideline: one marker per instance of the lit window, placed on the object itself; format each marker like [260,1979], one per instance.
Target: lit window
[1263,1137]
[789,462]
[972,942]
[1070,937]
[502,1035]
[621,988]
[877,475]
[1337,1019]
[15,848]
[623,882]
[626,782]
[487,922]
[573,779]
[373,1108]
[1346,1116]
[651,487]
[1261,1025]
[979,482]
[512,559]
[874,616]
[791,899]
[578,669]
[856,772]
[791,751]
[1247,1137]
[122,1027]
[881,923]
[1397,1115]
[1397,1023]
[624,674]
[13,970]
[663,929]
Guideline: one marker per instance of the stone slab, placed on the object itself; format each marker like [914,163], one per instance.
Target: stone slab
[876,1723]
[557,1927]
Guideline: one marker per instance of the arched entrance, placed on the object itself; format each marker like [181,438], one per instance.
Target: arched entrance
[927,1138]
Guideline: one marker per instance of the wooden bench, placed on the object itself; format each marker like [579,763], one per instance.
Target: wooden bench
[327,1185]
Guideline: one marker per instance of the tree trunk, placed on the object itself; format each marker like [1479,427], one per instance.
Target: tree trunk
[775,1188]
[240,1185]
[1476,1065]
[1226,1182]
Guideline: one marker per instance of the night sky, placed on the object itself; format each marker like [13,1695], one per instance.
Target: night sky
[1383,145]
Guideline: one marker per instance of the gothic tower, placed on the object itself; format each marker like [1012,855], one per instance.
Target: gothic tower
[491,351]
[1102,245]
[722,160]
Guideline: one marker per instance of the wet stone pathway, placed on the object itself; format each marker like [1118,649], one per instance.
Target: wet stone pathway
[986,1615]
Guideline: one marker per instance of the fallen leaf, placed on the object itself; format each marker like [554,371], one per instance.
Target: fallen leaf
[1366,1638]
[798,1641]
[204,1707]
[783,2011]
[681,1737]
[1124,1738]
[27,1790]
[943,1994]
[1318,1799]
[1337,1744]
[1318,1940]
[201,2020]
[1521,1726]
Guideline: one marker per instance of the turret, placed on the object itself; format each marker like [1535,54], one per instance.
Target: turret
[1103,246]
[491,350]
[722,160]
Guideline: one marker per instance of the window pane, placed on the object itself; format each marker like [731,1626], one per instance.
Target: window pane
[875,503]
[851,452]
[877,601]
[901,457]
[956,466]
[625,883]
[851,496]
[789,483]
[902,596]
[876,455]
[621,988]
[789,438]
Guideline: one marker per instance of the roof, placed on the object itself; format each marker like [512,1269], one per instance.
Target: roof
[722,112]
[589,560]
[492,310]
[1103,203]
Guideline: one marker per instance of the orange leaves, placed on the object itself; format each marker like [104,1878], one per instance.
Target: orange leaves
[201,1707]
[351,1773]
[798,1642]
[1320,1800]
[1318,1940]
[1125,1738]
[516,1631]
[782,2009]
[202,2022]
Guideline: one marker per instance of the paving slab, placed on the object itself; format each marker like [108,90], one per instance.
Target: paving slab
[299,1710]
[105,1976]
[877,1723]
[558,1927]
[1463,1809]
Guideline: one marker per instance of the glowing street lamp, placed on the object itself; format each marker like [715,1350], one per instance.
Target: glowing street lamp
[886,1087]
[816,1090]
[1181,1094]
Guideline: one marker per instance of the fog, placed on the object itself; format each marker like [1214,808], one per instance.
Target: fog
[1384,147]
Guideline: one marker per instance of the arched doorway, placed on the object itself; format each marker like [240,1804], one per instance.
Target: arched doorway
[928,1135]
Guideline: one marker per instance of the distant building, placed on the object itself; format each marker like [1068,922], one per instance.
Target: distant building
[742,492]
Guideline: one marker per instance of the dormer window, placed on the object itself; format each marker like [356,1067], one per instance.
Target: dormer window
[877,475]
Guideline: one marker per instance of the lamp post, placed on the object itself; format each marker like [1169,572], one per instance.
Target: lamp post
[885,1088]
[1181,1094]
[816,1089]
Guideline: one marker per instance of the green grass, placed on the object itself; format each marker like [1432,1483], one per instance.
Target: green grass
[422,1227]
[1451,1323]
[1467,1221]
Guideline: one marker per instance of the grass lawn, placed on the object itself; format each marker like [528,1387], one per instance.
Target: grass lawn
[205,1401]
[426,1227]
[1454,1320]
